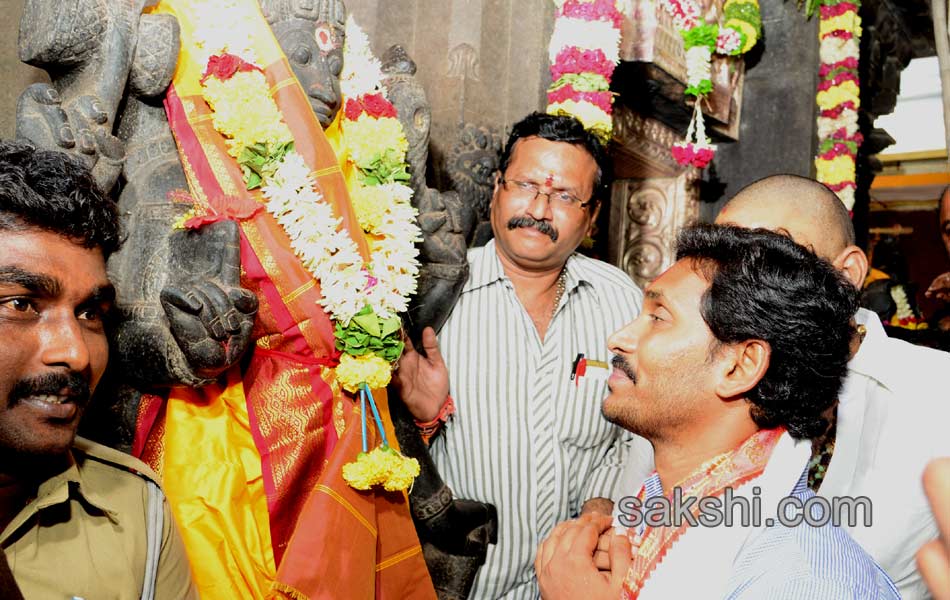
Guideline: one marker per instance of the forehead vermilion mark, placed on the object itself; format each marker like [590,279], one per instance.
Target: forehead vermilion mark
[549,179]
[325,39]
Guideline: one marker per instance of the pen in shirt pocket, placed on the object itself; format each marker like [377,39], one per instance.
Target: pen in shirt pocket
[581,364]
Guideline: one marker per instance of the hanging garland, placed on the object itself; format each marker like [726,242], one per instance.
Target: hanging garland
[362,298]
[741,29]
[372,342]
[839,96]
[584,50]
[904,314]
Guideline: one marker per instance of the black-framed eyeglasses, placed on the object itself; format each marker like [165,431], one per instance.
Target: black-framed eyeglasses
[528,191]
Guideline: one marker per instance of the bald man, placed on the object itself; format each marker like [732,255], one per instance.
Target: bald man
[893,411]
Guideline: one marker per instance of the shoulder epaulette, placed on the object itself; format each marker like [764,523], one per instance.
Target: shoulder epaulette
[115,458]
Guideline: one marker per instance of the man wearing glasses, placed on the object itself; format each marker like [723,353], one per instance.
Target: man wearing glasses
[524,355]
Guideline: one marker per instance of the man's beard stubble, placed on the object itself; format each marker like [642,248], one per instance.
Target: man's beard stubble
[623,412]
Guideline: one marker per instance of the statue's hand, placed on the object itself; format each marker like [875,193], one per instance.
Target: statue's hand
[81,127]
[212,324]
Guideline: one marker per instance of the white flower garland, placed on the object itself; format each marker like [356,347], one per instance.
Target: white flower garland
[587,35]
[362,72]
[316,234]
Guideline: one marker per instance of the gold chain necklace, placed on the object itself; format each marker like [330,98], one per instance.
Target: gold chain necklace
[561,285]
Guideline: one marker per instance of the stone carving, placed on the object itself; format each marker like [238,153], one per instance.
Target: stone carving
[463,62]
[471,166]
[646,215]
[642,146]
[179,294]
[182,315]
[311,34]
[446,221]
[454,533]
[652,198]
[88,46]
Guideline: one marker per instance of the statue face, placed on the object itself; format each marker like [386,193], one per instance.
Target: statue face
[315,53]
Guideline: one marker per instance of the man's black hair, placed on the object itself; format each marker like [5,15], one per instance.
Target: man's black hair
[54,192]
[561,128]
[764,286]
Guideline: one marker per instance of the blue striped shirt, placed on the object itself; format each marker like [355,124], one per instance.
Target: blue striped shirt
[804,562]
[526,437]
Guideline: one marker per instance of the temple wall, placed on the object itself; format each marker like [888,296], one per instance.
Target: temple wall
[480,61]
[16,76]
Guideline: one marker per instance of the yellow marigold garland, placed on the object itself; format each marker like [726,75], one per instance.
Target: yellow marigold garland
[838,96]
[382,465]
[354,371]
[245,93]
[358,297]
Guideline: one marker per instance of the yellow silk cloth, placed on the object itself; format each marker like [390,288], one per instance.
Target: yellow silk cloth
[216,490]
[252,467]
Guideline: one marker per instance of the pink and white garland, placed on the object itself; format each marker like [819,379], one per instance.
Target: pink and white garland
[839,97]
[740,31]
[584,50]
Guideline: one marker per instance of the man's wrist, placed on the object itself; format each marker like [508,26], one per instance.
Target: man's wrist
[429,428]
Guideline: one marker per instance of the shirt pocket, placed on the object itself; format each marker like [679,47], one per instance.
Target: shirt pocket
[580,422]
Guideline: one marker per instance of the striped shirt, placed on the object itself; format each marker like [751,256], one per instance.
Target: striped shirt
[771,561]
[525,436]
[807,562]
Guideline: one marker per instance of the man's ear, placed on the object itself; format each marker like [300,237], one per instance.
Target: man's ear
[743,365]
[854,264]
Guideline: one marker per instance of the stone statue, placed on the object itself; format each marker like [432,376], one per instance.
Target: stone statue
[446,221]
[455,533]
[452,220]
[471,166]
[311,35]
[183,317]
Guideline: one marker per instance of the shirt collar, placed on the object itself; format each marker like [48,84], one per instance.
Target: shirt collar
[58,489]
[485,268]
[871,359]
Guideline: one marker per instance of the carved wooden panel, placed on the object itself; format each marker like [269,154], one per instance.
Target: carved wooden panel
[640,146]
[645,217]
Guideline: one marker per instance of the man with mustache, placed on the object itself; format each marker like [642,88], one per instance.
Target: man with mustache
[728,371]
[76,519]
[525,355]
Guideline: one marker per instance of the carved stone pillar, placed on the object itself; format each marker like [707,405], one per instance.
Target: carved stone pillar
[653,197]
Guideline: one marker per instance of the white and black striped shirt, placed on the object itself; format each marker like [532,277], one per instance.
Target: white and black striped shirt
[526,437]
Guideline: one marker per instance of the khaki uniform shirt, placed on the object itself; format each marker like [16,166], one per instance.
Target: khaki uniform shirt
[84,535]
